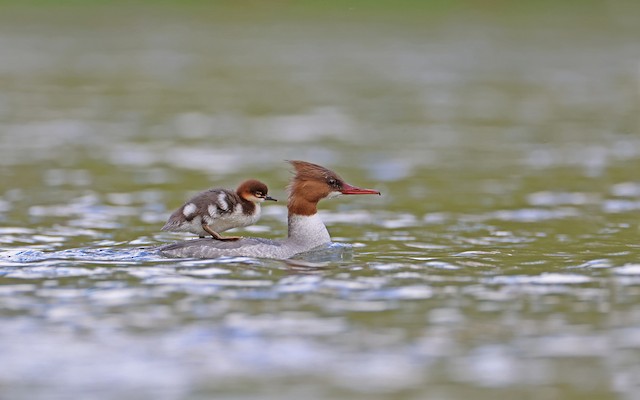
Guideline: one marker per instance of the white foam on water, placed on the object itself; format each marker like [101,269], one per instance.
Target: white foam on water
[547,278]
[629,269]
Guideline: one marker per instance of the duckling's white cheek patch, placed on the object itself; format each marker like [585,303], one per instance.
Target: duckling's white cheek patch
[333,194]
[189,209]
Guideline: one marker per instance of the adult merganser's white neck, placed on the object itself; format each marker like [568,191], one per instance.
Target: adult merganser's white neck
[310,184]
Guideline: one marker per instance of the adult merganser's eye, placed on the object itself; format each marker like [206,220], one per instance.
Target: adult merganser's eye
[332,182]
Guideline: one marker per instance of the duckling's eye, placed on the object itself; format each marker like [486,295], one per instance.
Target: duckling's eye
[259,194]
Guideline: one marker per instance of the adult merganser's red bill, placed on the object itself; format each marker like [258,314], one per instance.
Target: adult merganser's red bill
[310,184]
[218,210]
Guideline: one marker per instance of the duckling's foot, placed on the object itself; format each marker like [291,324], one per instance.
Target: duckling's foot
[228,238]
[216,236]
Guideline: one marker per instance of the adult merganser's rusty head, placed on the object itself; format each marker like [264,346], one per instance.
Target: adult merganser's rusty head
[313,183]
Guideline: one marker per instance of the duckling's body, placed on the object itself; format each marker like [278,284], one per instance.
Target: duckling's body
[218,210]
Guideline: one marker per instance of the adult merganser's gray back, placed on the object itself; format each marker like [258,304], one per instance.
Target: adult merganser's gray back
[218,210]
[310,184]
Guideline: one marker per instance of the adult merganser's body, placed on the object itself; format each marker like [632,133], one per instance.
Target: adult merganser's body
[310,184]
[218,210]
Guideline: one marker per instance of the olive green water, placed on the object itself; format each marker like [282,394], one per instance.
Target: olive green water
[502,261]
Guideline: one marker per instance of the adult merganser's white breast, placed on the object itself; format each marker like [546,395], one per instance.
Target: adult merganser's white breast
[308,230]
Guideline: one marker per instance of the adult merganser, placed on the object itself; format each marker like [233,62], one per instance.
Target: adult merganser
[218,210]
[310,184]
